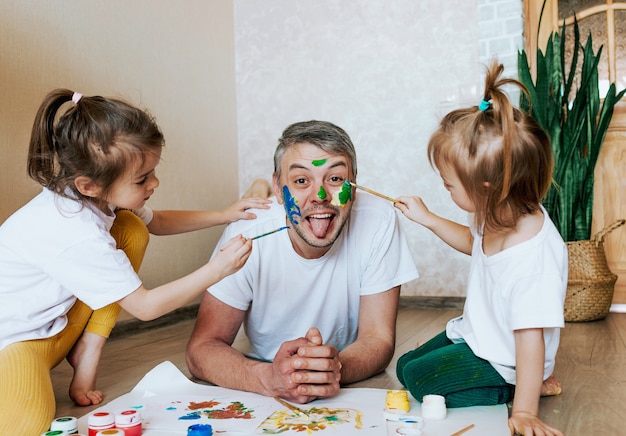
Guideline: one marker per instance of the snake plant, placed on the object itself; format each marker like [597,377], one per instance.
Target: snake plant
[576,120]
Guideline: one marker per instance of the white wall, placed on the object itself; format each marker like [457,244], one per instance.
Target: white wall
[177,61]
[224,83]
[386,72]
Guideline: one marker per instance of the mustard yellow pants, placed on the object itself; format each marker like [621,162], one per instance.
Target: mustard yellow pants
[27,403]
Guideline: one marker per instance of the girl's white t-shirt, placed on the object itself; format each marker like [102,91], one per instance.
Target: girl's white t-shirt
[522,287]
[53,251]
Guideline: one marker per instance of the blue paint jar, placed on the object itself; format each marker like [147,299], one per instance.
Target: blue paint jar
[200,430]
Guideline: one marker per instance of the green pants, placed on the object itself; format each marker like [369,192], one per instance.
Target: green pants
[452,370]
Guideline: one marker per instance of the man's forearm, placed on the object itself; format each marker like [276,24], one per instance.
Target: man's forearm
[226,367]
[364,359]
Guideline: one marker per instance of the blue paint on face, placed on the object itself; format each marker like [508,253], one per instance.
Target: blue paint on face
[291,207]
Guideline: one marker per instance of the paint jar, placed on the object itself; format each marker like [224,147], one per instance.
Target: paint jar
[409,431]
[98,421]
[111,432]
[397,401]
[129,421]
[55,433]
[411,422]
[434,407]
[200,430]
[68,424]
[395,421]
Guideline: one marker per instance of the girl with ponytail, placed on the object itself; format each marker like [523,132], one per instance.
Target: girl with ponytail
[496,162]
[69,258]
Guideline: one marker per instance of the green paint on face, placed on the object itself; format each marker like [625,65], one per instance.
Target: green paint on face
[346,193]
[343,195]
[319,163]
[322,193]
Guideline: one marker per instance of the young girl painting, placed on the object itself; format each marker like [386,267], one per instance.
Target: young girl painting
[496,162]
[69,258]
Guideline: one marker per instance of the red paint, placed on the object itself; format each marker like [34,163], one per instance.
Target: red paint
[129,421]
[99,421]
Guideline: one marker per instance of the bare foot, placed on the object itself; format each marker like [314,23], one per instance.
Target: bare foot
[259,188]
[551,386]
[84,357]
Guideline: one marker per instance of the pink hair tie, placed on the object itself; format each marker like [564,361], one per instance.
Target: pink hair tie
[76,97]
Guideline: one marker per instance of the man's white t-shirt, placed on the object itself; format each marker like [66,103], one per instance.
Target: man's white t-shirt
[284,294]
[53,251]
[522,287]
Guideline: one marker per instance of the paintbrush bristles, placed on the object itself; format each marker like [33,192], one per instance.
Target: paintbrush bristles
[290,406]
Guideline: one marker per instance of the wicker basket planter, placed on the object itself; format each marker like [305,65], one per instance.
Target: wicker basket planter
[591,283]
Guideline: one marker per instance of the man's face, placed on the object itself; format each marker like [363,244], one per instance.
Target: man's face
[310,178]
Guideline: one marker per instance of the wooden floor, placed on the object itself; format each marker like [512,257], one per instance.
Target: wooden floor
[591,365]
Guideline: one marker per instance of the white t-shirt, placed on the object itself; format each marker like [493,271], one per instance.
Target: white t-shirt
[52,252]
[521,287]
[284,294]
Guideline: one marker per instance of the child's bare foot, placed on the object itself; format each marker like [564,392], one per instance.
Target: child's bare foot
[551,386]
[85,359]
[259,188]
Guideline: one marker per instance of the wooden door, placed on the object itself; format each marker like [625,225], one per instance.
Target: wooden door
[609,203]
[605,18]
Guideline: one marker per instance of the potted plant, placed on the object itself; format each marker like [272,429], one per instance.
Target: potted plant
[568,107]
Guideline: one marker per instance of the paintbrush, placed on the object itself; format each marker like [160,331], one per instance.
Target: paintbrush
[463,430]
[269,233]
[291,406]
[378,194]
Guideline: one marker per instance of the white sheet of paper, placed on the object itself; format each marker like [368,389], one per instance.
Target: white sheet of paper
[164,395]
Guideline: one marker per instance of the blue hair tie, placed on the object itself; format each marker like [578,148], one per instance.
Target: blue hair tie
[484,105]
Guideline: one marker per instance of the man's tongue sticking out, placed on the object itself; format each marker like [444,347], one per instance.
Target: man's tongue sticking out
[320,224]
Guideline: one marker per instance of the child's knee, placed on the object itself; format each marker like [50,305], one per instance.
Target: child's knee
[127,224]
[131,236]
[129,229]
